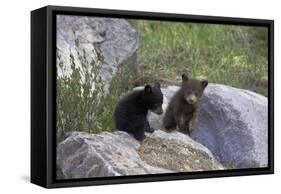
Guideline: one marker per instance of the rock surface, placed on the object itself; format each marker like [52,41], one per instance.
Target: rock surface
[109,40]
[232,124]
[84,155]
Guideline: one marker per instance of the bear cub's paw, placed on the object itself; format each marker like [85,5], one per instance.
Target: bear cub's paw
[139,136]
[149,130]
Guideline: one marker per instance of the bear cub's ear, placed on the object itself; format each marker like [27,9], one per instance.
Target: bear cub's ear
[184,77]
[148,88]
[157,85]
[204,83]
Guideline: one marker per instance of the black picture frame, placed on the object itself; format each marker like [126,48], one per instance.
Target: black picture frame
[43,96]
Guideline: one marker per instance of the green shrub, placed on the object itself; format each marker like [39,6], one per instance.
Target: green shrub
[82,104]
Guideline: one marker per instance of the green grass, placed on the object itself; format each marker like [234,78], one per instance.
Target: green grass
[227,54]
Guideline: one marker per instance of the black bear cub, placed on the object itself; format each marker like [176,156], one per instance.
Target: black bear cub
[131,113]
[182,109]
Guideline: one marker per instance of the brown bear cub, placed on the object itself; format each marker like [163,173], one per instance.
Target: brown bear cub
[182,110]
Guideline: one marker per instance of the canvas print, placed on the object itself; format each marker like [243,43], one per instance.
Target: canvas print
[142,97]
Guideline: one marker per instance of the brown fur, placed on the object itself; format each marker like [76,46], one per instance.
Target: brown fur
[182,110]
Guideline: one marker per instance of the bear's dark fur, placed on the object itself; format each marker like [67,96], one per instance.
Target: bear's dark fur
[182,109]
[131,113]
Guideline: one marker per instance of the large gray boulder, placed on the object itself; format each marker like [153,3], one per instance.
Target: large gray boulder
[83,155]
[108,41]
[232,124]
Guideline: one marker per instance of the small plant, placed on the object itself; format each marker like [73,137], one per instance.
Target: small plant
[78,96]
[104,119]
[82,104]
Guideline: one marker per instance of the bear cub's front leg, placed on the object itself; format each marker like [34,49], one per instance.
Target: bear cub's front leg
[148,128]
[139,134]
[193,122]
[183,123]
[189,124]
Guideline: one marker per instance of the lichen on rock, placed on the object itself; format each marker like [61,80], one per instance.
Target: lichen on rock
[176,156]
